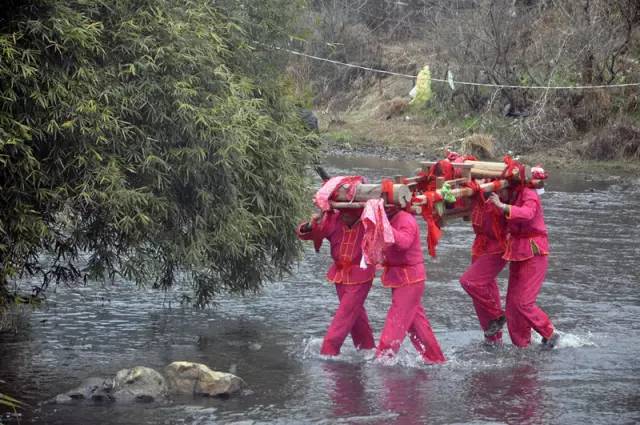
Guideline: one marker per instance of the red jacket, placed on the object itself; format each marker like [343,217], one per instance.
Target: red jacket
[491,233]
[346,249]
[404,261]
[525,224]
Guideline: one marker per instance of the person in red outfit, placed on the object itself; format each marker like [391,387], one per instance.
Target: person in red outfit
[404,273]
[527,250]
[480,279]
[344,230]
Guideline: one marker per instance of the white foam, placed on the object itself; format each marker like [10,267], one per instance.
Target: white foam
[568,340]
[348,353]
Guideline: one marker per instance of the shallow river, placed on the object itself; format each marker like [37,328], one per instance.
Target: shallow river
[272,339]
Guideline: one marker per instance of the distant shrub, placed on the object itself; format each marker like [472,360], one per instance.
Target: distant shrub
[479,145]
[392,108]
[621,141]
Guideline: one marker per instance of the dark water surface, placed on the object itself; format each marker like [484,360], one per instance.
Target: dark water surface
[272,339]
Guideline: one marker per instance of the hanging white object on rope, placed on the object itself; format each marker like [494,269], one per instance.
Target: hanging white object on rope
[439,80]
[450,79]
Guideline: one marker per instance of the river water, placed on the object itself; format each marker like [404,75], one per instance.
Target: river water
[272,339]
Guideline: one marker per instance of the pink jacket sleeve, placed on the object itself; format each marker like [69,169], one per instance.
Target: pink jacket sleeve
[318,231]
[527,211]
[404,231]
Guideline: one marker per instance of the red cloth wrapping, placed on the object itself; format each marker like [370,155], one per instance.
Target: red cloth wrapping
[328,189]
[378,233]
[431,218]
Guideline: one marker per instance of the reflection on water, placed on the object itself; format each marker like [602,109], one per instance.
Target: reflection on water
[272,339]
[509,395]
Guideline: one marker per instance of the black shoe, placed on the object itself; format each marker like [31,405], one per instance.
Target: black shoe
[495,326]
[552,342]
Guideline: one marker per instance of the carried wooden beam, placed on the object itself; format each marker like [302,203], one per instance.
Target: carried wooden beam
[478,169]
[464,192]
[364,192]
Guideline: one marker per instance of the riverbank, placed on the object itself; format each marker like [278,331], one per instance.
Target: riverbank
[378,120]
[600,169]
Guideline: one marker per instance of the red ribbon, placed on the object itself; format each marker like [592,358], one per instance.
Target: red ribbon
[478,205]
[431,218]
[511,166]
[386,187]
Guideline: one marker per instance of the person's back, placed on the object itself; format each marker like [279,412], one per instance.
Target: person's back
[526,227]
[480,278]
[527,251]
[405,274]
[345,231]
[490,230]
[404,260]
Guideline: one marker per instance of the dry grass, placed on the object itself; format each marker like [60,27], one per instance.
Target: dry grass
[619,142]
[480,145]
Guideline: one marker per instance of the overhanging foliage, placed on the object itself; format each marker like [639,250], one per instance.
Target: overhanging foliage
[136,132]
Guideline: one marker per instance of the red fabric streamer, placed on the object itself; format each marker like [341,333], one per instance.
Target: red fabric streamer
[387,188]
[377,232]
[432,219]
[423,183]
[538,172]
[478,205]
[459,159]
[452,156]
[509,171]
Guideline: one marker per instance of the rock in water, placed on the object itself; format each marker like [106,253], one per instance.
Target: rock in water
[188,378]
[95,389]
[139,384]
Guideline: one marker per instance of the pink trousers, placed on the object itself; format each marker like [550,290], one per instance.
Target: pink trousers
[480,282]
[525,281]
[350,318]
[407,315]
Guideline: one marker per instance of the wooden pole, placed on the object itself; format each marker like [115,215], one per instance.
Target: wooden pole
[463,192]
[416,209]
[364,192]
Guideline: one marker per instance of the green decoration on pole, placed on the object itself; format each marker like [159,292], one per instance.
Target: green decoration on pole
[447,194]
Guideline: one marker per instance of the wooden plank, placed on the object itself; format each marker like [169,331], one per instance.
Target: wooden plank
[457,182]
[426,165]
[486,165]
[463,165]
[481,173]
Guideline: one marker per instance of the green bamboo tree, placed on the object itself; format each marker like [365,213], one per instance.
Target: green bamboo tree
[146,136]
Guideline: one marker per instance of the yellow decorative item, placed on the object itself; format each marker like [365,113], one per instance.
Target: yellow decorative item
[423,88]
